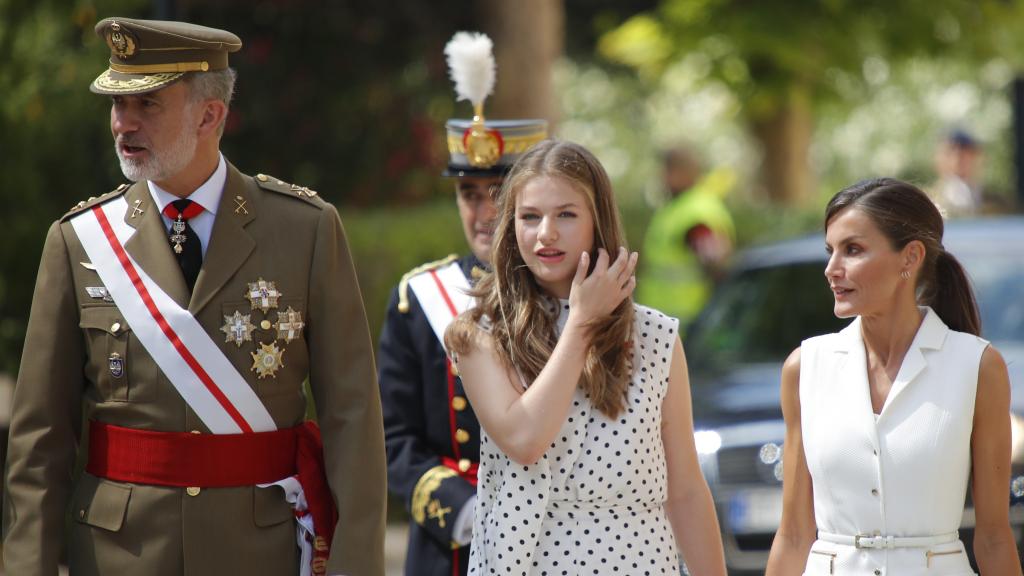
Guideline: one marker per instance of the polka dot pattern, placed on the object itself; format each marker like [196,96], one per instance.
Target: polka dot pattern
[594,503]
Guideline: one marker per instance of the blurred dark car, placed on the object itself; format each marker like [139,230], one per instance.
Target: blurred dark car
[775,297]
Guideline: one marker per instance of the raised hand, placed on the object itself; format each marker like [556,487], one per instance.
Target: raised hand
[598,294]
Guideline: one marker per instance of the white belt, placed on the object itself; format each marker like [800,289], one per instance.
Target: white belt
[888,542]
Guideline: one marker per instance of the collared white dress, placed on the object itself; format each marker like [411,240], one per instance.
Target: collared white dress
[594,503]
[902,474]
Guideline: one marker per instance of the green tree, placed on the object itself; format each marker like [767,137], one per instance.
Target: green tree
[782,57]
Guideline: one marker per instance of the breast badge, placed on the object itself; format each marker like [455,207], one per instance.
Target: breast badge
[267,360]
[99,293]
[237,328]
[289,325]
[262,295]
[116,364]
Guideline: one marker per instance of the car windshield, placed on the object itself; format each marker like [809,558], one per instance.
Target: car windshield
[762,313]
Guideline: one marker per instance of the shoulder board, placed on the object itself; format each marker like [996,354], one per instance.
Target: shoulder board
[403,285]
[94,200]
[294,190]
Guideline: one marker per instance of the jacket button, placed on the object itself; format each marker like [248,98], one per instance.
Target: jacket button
[461,436]
[458,403]
[874,491]
[115,327]
[464,465]
[265,324]
[192,490]
[878,572]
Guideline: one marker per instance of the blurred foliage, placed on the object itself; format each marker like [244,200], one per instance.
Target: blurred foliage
[761,49]
[55,148]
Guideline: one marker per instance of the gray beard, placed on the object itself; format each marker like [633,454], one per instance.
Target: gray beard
[162,165]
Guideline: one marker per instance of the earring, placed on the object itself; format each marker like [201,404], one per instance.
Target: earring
[905,274]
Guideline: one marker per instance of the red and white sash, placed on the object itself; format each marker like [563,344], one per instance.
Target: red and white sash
[442,294]
[184,351]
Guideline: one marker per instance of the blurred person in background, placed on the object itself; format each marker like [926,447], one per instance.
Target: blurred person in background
[959,161]
[689,239]
[888,419]
[432,434]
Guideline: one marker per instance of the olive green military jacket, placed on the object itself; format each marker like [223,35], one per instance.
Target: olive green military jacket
[263,229]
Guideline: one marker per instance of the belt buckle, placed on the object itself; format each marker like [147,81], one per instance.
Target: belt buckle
[857,541]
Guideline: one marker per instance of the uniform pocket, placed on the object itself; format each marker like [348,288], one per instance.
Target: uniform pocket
[101,503]
[117,361]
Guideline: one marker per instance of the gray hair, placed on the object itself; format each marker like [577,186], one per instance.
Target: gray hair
[216,85]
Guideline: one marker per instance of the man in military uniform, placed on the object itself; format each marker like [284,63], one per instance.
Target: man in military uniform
[180,316]
[432,435]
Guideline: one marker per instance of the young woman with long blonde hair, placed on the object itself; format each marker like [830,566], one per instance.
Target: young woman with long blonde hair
[588,464]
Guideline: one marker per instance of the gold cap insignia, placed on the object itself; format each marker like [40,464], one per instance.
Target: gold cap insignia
[267,360]
[121,41]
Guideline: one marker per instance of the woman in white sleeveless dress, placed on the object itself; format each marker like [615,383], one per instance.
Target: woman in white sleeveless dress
[587,463]
[887,419]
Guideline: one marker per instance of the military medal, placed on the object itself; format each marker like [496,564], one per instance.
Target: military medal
[289,324]
[262,295]
[237,328]
[116,364]
[267,360]
[178,234]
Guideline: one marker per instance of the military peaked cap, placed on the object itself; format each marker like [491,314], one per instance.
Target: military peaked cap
[146,55]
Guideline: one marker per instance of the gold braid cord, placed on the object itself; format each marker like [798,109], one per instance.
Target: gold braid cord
[425,488]
[403,285]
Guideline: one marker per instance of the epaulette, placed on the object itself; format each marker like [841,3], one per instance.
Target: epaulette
[294,190]
[94,200]
[403,284]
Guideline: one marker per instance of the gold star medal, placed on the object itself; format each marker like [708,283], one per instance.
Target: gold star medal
[267,360]
[237,328]
[289,325]
[262,295]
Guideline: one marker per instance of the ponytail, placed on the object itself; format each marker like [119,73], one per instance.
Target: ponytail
[952,297]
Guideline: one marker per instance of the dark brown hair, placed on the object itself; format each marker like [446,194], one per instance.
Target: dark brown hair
[904,213]
[521,315]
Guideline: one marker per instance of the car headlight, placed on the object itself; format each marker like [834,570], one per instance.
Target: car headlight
[770,455]
[707,441]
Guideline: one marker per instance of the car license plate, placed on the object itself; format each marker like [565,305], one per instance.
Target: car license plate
[755,511]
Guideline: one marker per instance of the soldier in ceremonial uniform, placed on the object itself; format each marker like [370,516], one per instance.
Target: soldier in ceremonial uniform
[177,318]
[432,435]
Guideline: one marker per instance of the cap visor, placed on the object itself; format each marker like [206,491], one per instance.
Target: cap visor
[460,171]
[113,82]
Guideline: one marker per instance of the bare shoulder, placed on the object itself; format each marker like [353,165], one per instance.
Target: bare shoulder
[791,367]
[790,385]
[993,379]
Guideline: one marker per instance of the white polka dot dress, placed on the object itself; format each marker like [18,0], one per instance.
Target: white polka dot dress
[594,503]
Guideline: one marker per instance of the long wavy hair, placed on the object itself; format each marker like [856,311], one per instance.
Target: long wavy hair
[904,213]
[521,315]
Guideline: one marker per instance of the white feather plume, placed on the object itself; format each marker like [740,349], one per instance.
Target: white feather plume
[471,65]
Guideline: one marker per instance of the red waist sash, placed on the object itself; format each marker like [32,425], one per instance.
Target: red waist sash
[184,459]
